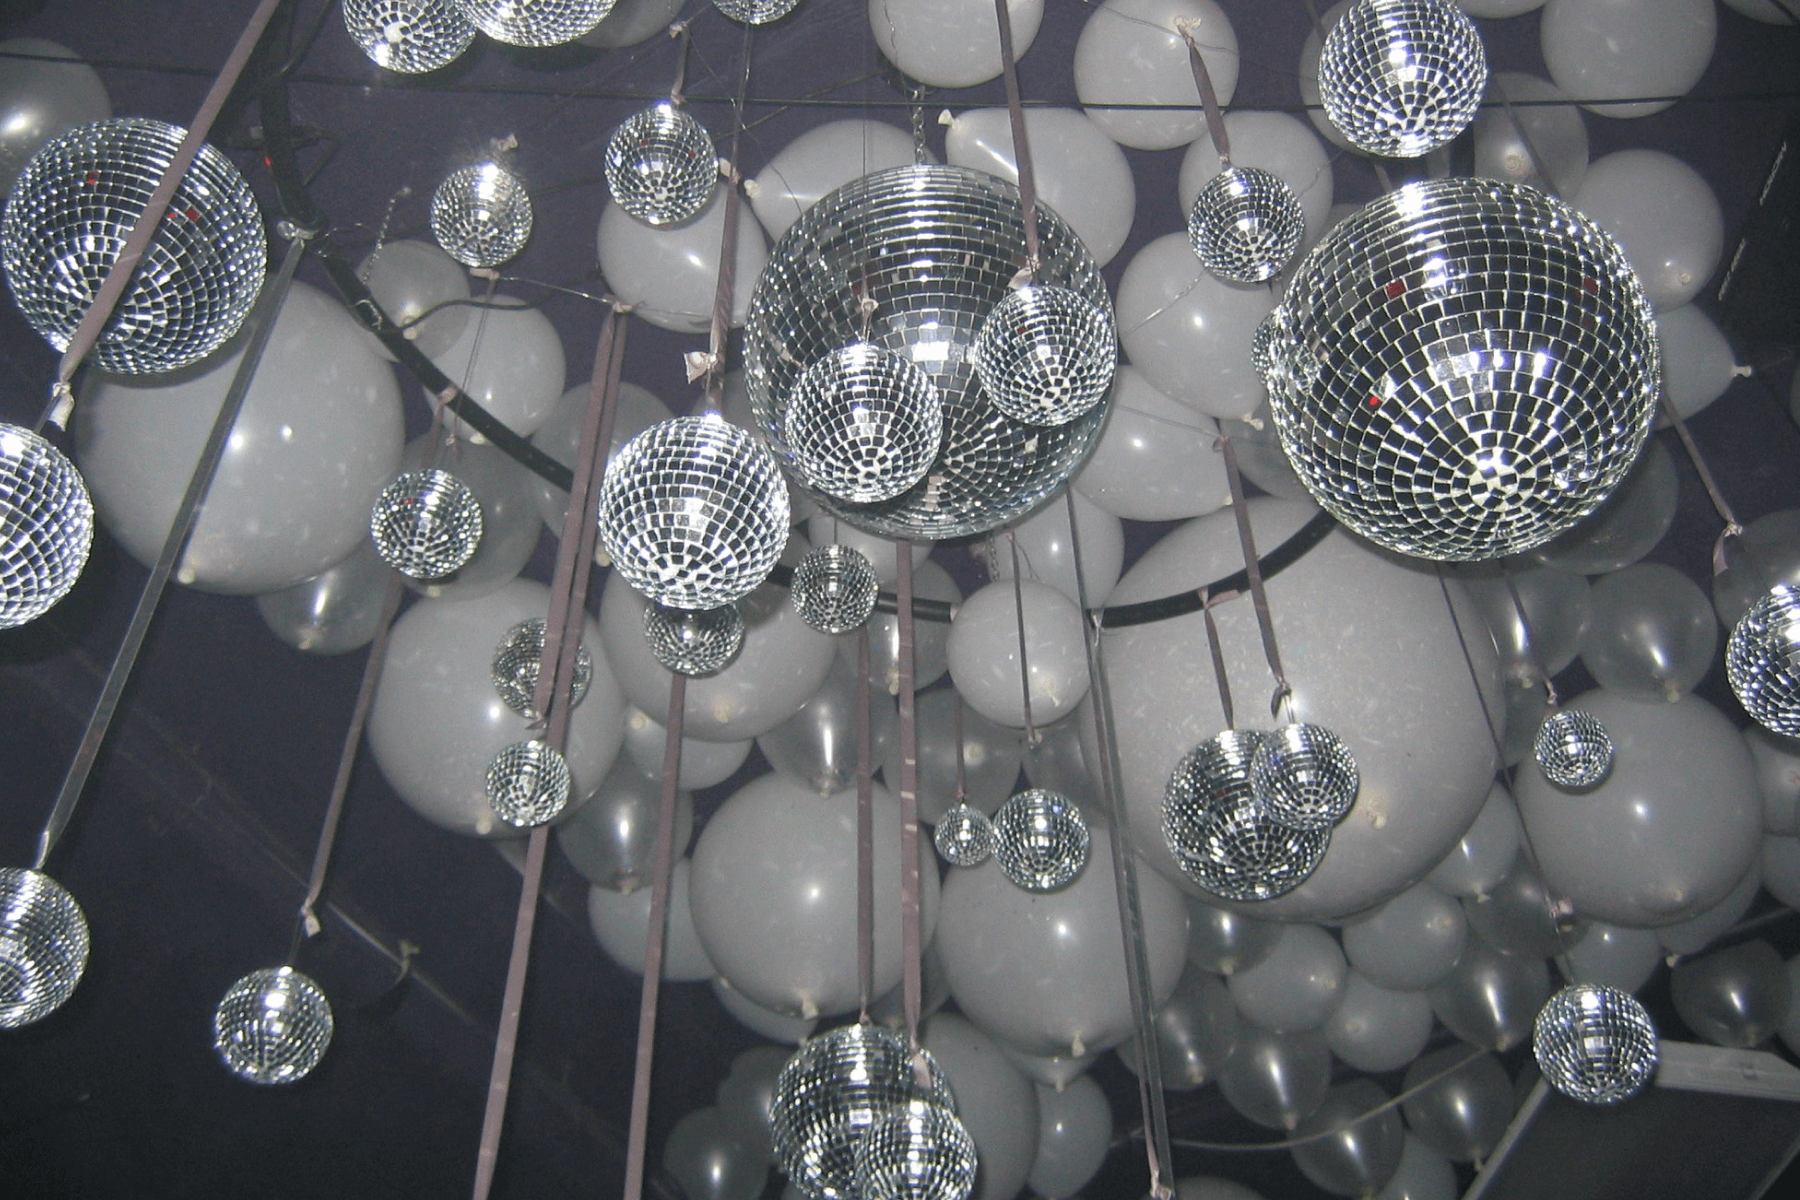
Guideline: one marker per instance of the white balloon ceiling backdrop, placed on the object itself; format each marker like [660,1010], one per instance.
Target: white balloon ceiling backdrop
[1465,368]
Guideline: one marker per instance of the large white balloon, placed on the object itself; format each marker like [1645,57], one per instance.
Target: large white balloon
[334,612]
[1189,331]
[438,722]
[1622,49]
[318,437]
[984,653]
[820,161]
[997,1104]
[42,99]
[1078,170]
[621,924]
[1663,214]
[1378,1030]
[1075,1127]
[1777,762]
[950,43]
[931,639]
[1297,987]
[774,895]
[410,279]
[1045,972]
[1132,52]
[1697,361]
[1371,653]
[509,360]
[1521,139]
[1409,943]
[672,274]
[1270,141]
[1770,12]
[1047,552]
[1157,459]
[1485,853]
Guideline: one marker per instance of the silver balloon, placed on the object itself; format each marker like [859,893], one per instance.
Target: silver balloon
[1363,1151]
[1216,830]
[1275,1079]
[44,946]
[863,424]
[611,839]
[1046,355]
[409,36]
[818,745]
[1040,840]
[717,1155]
[334,612]
[755,12]
[426,524]
[964,837]
[1223,941]
[1595,1044]
[46,525]
[1573,749]
[921,1152]
[1245,226]
[1762,660]
[535,22]
[518,659]
[528,784]
[694,643]
[1402,77]
[1733,997]
[1464,1115]
[661,166]
[1490,999]
[1196,1033]
[1653,632]
[70,213]
[481,215]
[835,589]
[273,1026]
[1303,777]
[1516,916]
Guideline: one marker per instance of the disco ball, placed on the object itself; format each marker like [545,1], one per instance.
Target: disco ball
[920,1152]
[1045,355]
[1245,225]
[43,946]
[834,589]
[863,425]
[1303,776]
[933,249]
[517,661]
[1402,77]
[528,783]
[535,22]
[1218,833]
[273,1026]
[68,217]
[693,512]
[832,1091]
[1040,840]
[46,525]
[426,524]
[661,165]
[1573,749]
[1264,354]
[409,36]
[1467,368]
[481,215]
[1595,1043]
[1762,660]
[755,12]
[694,642]
[964,836]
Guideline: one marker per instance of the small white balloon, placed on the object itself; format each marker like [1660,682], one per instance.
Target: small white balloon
[1075,1127]
[950,43]
[1522,139]
[820,161]
[621,924]
[1270,141]
[1663,214]
[1132,52]
[1375,1029]
[1698,364]
[1777,762]
[703,764]
[1297,987]
[509,360]
[672,274]
[984,653]
[1620,49]
[409,279]
[1614,956]
[1157,459]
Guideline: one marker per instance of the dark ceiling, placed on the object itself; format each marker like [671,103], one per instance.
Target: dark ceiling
[191,849]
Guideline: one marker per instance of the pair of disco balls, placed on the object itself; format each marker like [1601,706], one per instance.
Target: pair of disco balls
[1248,815]
[529,782]
[857,1114]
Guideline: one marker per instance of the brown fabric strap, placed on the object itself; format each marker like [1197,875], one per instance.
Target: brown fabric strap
[1253,571]
[912,944]
[718,342]
[1209,98]
[1218,664]
[1018,577]
[1015,110]
[865,829]
[962,783]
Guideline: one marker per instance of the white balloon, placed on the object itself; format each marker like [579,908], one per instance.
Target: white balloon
[1047,553]
[560,437]
[824,529]
[820,161]
[1411,942]
[1770,12]
[1781,869]
[998,1105]
[931,639]
[1157,459]
[1498,8]
[1075,1127]
[1310,52]
[1270,141]
[1697,933]
[950,43]
[509,360]
[1615,956]
[1521,139]
[621,924]
[631,22]
[984,653]
[1189,331]
[1697,361]
[1132,52]
[411,278]
[1663,214]
[1079,171]
[776,1026]
[317,439]
[1261,459]
[703,764]
[1055,1071]
[671,274]
[1618,49]
[1378,1030]
[1297,986]
[1777,762]
[42,99]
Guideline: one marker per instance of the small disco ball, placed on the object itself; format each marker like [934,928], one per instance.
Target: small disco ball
[43,946]
[426,524]
[1402,77]
[694,642]
[481,215]
[755,12]
[1467,368]
[913,259]
[864,424]
[834,588]
[1245,225]
[693,512]
[661,165]
[70,213]
[1045,355]
[273,1026]
[920,1152]
[1595,1043]
[1573,749]
[535,22]
[1762,660]
[832,1092]
[46,525]
[1216,829]
[1263,350]
[528,783]
[517,661]
[409,36]
[964,837]
[1040,840]
[1303,777]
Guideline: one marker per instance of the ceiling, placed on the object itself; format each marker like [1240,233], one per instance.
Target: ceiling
[191,848]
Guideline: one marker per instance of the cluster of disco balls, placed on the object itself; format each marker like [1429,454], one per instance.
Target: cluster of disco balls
[834,589]
[273,1026]
[1248,814]
[1595,1043]
[1040,840]
[1762,660]
[857,1114]
[1573,750]
[1402,77]
[426,524]
[519,658]
[481,215]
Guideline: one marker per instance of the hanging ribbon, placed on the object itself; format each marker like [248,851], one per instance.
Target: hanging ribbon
[912,945]
[1253,571]
[1015,110]
[865,829]
[1720,505]
[1031,733]
[1209,99]
[723,291]
[1218,663]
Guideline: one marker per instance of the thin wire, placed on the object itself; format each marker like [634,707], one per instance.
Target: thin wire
[1240,511]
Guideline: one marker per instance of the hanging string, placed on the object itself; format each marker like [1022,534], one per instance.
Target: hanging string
[1151,1100]
[1253,571]
[1720,505]
[865,829]
[1209,99]
[181,529]
[912,945]
[679,31]
[1015,109]
[1031,734]
[143,232]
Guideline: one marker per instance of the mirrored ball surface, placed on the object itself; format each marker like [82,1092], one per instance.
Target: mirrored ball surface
[426,524]
[964,836]
[535,22]
[1217,831]
[528,783]
[864,424]
[43,946]
[46,525]
[1402,77]
[1245,225]
[1040,840]
[481,215]
[409,36]
[1762,661]
[1303,776]
[694,642]
[661,165]
[519,658]
[834,588]
[1595,1043]
[921,1152]
[1046,355]
[755,12]
[1573,749]
[273,1026]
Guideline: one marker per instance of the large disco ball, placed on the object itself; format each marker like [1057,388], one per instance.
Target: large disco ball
[43,946]
[1464,369]
[69,216]
[1762,660]
[46,525]
[409,36]
[535,22]
[273,1026]
[1402,77]
[932,249]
